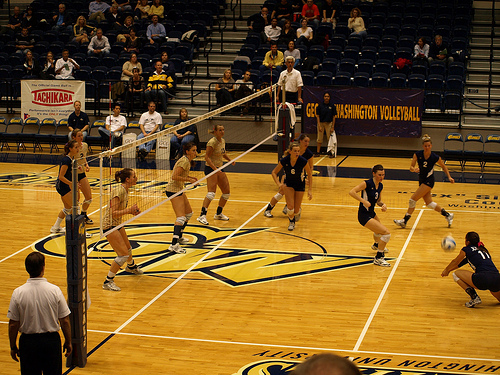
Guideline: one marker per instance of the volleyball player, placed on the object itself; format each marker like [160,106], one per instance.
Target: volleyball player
[180,203]
[294,184]
[63,184]
[485,275]
[118,239]
[216,151]
[426,160]
[308,155]
[371,191]
[83,181]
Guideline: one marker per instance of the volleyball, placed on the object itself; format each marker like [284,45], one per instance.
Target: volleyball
[448,243]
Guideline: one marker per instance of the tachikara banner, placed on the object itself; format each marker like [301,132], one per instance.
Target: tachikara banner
[368,111]
[50,98]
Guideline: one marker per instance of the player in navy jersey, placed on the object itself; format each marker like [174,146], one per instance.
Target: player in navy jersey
[304,152]
[294,184]
[371,191]
[485,275]
[426,160]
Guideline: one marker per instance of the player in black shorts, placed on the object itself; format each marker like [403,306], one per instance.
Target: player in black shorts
[371,191]
[426,160]
[485,275]
[294,185]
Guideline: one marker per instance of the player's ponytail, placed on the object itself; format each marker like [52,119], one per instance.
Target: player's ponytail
[68,146]
[123,174]
[474,240]
[426,138]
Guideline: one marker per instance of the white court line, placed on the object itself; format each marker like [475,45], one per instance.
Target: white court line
[386,286]
[187,271]
[20,251]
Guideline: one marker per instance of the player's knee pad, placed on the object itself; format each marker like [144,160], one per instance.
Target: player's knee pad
[211,195]
[225,196]
[66,211]
[121,260]
[385,237]
[412,203]
[377,235]
[455,277]
[180,219]
[289,211]
[189,216]
[88,201]
[278,197]
[432,205]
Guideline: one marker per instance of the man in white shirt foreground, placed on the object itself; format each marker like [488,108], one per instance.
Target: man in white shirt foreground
[115,126]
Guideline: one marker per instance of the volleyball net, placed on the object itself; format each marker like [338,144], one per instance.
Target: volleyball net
[155,172]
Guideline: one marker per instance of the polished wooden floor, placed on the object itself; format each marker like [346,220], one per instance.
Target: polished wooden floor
[265,294]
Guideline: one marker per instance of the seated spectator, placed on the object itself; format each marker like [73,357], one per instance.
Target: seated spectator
[141,10]
[157,9]
[29,20]
[158,85]
[123,6]
[115,20]
[65,66]
[99,45]
[287,33]
[273,60]
[124,31]
[156,31]
[310,12]
[168,67]
[295,53]
[244,87]
[49,67]
[81,31]
[282,12]
[128,66]
[421,50]
[439,51]
[182,136]
[62,20]
[133,43]
[97,8]
[356,23]
[31,66]
[24,41]
[224,89]
[150,123]
[15,21]
[258,21]
[114,128]
[272,32]
[135,88]
[304,34]
[330,12]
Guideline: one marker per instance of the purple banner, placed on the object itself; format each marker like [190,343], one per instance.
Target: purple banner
[368,111]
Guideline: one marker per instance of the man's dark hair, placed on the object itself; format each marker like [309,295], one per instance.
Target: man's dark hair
[34,263]
[326,363]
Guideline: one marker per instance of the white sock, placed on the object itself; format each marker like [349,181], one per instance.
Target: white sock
[58,222]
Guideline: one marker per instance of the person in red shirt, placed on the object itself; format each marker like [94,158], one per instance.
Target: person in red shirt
[310,12]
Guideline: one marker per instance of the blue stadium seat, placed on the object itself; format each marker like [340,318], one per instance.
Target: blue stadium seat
[416,81]
[334,52]
[317,51]
[452,101]
[372,41]
[433,101]
[361,79]
[368,52]
[383,66]
[365,66]
[307,77]
[398,81]
[386,53]
[342,79]
[347,66]
[329,65]
[351,53]
[380,80]
[324,78]
[434,82]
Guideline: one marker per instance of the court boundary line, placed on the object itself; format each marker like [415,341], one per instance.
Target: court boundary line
[386,285]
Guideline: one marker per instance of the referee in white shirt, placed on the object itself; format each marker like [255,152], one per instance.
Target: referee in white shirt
[292,82]
[36,309]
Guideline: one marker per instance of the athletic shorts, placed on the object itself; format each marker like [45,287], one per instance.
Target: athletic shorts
[365,216]
[487,281]
[81,176]
[208,170]
[429,181]
[62,188]
[170,193]
[297,186]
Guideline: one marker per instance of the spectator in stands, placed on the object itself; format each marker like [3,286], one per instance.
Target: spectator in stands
[99,45]
[182,136]
[81,31]
[97,8]
[272,31]
[15,21]
[157,9]
[244,87]
[141,10]
[168,67]
[24,42]
[295,53]
[65,66]
[292,80]
[150,123]
[273,60]
[115,20]
[136,87]
[330,10]
[224,89]
[78,120]
[49,67]
[128,66]
[156,31]
[62,20]
[421,50]
[438,50]
[282,12]
[258,21]
[158,84]
[133,43]
[287,33]
[29,20]
[124,31]
[356,23]
[31,66]
[114,128]
[310,12]
[304,33]
[123,6]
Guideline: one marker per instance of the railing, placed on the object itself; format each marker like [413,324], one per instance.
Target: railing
[492,38]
